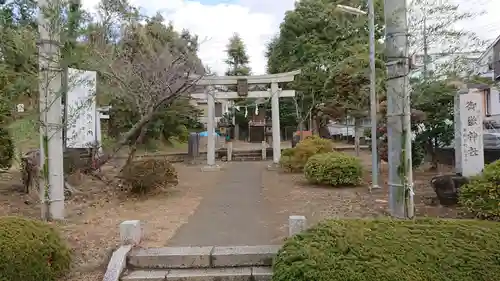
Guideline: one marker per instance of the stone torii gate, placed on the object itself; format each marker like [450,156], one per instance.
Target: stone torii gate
[242,83]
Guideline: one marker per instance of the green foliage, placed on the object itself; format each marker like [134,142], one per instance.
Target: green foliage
[436,100]
[173,120]
[417,152]
[144,176]
[287,152]
[297,157]
[6,149]
[481,196]
[237,58]
[316,38]
[334,169]
[31,251]
[392,250]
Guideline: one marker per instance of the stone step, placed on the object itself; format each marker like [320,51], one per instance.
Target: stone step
[247,159]
[202,257]
[207,274]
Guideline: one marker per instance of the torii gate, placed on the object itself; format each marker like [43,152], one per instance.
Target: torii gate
[242,82]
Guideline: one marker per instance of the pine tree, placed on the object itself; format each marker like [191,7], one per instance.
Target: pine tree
[237,58]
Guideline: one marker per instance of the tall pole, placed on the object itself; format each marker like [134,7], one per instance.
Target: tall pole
[51,141]
[275,114]
[373,96]
[398,110]
[426,47]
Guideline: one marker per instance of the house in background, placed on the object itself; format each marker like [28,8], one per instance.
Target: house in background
[488,64]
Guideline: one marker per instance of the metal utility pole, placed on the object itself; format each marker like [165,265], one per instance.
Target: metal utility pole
[373,87]
[373,96]
[51,141]
[398,110]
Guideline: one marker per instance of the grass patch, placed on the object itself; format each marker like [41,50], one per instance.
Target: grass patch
[386,250]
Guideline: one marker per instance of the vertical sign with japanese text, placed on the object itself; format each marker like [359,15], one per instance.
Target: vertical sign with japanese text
[471,132]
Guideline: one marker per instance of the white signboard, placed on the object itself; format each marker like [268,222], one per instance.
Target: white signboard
[81,111]
[20,107]
[471,133]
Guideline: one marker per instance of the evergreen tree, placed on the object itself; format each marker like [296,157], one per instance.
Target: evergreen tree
[237,58]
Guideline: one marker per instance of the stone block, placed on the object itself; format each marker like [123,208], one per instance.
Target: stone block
[211,168]
[244,255]
[131,232]
[446,188]
[171,257]
[117,264]
[146,275]
[296,224]
[211,274]
[262,273]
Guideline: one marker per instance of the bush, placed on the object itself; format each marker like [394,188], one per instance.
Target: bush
[392,250]
[334,169]
[481,196]
[31,251]
[145,175]
[296,158]
[6,149]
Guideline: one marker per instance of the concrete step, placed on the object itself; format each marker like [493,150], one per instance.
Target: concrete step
[207,274]
[202,257]
[247,158]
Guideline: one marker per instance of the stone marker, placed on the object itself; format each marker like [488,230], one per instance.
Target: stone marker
[296,224]
[131,232]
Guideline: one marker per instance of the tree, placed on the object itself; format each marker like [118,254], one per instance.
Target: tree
[316,38]
[433,28]
[237,62]
[151,67]
[349,89]
[237,58]
[437,130]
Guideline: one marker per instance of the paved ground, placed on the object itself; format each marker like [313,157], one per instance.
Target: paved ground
[233,213]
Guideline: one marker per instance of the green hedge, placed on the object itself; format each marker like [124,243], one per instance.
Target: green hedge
[31,250]
[385,250]
[481,196]
[334,169]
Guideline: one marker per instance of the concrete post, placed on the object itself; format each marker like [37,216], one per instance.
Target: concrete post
[130,232]
[296,224]
[275,95]
[51,137]
[229,151]
[210,127]
[398,110]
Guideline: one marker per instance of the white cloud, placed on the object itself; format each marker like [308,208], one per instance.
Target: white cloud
[216,24]
[257,20]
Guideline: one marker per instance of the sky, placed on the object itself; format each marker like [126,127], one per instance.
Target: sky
[215,21]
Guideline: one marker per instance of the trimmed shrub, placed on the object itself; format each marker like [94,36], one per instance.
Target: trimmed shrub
[334,169]
[296,158]
[287,152]
[6,149]
[31,251]
[481,196]
[146,175]
[392,250]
